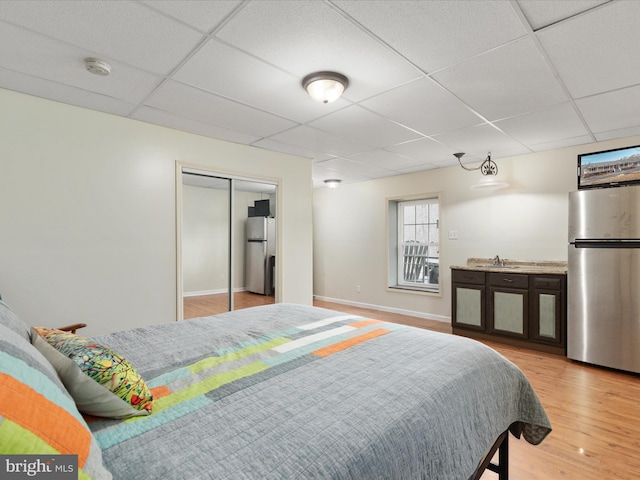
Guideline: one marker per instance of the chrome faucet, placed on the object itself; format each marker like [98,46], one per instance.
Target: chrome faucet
[498,261]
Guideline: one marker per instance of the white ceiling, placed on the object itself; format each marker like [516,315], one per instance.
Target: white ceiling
[427,78]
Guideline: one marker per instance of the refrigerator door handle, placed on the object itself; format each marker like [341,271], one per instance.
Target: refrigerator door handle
[607,243]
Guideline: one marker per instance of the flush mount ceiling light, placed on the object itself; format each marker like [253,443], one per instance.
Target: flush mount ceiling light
[325,87]
[97,66]
[489,170]
[332,182]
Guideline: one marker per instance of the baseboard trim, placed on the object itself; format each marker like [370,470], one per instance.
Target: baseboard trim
[382,308]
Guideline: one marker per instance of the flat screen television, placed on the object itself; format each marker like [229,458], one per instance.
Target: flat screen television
[610,168]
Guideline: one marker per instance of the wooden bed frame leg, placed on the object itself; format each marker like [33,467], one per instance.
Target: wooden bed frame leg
[502,467]
[503,459]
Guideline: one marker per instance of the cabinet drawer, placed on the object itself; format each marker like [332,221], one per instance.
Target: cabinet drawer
[468,276]
[512,280]
[547,282]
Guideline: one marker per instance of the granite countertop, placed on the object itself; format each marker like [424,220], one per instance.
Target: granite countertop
[554,267]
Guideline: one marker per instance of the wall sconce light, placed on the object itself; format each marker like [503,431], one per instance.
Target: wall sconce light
[489,170]
[325,87]
[332,182]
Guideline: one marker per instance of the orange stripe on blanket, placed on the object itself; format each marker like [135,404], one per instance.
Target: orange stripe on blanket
[161,391]
[338,347]
[364,323]
[52,423]
[91,418]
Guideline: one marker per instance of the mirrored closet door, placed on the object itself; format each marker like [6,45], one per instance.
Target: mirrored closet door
[227,243]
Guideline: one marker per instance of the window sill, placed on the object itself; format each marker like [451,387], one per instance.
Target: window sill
[431,291]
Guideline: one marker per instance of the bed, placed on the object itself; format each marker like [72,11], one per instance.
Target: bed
[289,391]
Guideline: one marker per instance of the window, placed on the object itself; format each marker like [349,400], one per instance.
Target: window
[415,244]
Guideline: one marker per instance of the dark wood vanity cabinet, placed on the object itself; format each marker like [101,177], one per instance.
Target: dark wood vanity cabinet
[520,309]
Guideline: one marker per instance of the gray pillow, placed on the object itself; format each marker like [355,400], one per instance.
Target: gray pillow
[9,319]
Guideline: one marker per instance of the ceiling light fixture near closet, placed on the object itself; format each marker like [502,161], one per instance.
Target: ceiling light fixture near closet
[97,66]
[325,87]
[333,182]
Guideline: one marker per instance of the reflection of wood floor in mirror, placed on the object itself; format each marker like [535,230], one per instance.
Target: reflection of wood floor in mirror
[204,305]
[594,411]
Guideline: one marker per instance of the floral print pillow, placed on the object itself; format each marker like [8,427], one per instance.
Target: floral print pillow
[101,381]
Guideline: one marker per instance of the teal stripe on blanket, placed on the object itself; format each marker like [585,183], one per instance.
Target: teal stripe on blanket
[138,425]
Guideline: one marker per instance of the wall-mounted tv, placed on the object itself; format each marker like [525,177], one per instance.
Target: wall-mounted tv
[610,168]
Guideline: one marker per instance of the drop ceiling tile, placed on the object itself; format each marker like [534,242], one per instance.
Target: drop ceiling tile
[160,117]
[384,159]
[562,143]
[614,134]
[612,111]
[477,141]
[58,92]
[423,106]
[418,168]
[307,36]
[542,13]
[364,126]
[231,73]
[425,151]
[507,81]
[189,102]
[38,56]
[203,16]
[436,34]
[597,51]
[270,144]
[122,30]
[343,166]
[546,125]
[319,141]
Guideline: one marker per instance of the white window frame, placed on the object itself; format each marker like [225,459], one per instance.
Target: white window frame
[397,252]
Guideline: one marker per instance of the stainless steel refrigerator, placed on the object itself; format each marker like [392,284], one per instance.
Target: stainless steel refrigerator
[261,254]
[603,325]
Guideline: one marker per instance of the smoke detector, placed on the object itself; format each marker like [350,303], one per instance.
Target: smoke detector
[97,66]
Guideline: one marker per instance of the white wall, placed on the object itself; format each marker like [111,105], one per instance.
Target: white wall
[527,221]
[205,238]
[87,213]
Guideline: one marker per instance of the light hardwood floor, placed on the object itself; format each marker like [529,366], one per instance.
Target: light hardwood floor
[595,412]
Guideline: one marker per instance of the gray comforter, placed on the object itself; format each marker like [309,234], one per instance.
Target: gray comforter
[294,392]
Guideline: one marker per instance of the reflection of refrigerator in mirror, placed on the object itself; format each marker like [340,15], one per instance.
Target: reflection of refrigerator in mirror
[261,254]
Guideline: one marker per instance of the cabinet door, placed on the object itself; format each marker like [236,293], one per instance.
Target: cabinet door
[547,316]
[468,306]
[509,312]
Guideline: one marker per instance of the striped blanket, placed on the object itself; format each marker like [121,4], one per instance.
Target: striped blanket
[289,391]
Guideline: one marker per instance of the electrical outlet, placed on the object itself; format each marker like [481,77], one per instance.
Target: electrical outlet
[357,288]
[453,234]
